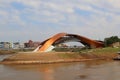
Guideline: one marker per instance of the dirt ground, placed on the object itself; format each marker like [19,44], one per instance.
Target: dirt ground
[53,57]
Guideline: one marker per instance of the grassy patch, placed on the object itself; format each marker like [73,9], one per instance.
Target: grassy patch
[106,50]
[102,50]
[69,55]
[67,49]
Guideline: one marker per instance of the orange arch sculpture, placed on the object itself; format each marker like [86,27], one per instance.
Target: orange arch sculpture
[60,36]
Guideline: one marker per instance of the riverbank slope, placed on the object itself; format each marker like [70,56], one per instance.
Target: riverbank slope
[55,57]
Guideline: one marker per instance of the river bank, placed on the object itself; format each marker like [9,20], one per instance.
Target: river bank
[5,52]
[55,57]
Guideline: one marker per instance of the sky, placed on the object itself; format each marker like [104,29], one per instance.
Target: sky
[22,20]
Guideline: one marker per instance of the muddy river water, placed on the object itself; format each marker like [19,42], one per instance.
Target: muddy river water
[89,70]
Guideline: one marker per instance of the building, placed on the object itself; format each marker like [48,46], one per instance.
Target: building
[1,45]
[31,44]
[116,44]
[18,45]
[5,45]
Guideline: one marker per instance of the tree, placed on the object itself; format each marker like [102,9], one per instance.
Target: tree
[110,40]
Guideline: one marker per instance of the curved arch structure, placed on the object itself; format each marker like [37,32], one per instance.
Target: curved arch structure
[64,37]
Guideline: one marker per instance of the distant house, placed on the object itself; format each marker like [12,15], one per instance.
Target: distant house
[18,45]
[5,45]
[116,44]
[31,44]
[1,45]
[36,44]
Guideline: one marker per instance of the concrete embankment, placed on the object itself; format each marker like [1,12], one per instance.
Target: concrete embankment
[53,57]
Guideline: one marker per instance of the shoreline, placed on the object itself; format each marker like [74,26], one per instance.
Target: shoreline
[51,57]
[61,57]
[46,62]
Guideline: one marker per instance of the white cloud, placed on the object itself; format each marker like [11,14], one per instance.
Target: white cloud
[49,17]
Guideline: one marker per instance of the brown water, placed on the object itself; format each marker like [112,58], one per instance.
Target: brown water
[90,70]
